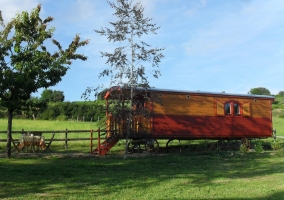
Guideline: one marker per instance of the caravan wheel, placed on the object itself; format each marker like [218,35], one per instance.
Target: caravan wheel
[152,146]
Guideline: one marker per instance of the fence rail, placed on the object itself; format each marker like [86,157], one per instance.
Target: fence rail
[65,139]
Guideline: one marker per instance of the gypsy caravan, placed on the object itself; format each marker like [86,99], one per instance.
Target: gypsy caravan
[188,115]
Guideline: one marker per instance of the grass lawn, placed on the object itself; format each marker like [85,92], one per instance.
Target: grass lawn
[42,125]
[278,124]
[35,125]
[188,175]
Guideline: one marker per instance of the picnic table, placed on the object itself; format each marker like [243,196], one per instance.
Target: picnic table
[33,141]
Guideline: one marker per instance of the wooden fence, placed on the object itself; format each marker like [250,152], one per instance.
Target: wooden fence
[65,139]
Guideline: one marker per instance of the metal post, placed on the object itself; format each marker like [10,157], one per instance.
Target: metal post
[274,135]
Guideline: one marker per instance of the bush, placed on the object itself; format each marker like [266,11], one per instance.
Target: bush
[62,118]
[244,149]
[281,94]
[202,146]
[86,111]
[47,115]
[276,145]
[258,147]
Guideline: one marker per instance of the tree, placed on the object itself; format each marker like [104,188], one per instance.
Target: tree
[35,106]
[259,91]
[52,95]
[25,63]
[281,93]
[46,95]
[127,64]
[57,96]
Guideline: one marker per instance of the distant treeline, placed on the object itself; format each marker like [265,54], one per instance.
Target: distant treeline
[78,111]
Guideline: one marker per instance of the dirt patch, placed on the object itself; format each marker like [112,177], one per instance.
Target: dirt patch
[74,155]
[50,155]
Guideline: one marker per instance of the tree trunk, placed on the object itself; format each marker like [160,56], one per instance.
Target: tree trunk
[9,134]
[133,83]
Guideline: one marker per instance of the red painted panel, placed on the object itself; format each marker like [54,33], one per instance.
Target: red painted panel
[210,127]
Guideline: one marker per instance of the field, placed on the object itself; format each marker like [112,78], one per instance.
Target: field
[35,125]
[29,125]
[188,175]
[75,174]
[278,124]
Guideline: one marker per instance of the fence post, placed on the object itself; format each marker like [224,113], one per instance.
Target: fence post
[99,142]
[91,141]
[66,138]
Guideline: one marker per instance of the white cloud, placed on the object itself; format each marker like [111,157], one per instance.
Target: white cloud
[233,29]
[79,12]
[9,8]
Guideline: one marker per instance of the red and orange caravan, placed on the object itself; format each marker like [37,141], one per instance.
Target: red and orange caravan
[196,115]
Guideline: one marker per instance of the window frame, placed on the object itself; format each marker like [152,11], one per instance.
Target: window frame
[232,104]
[227,106]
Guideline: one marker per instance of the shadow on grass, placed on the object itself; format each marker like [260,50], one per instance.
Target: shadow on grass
[54,176]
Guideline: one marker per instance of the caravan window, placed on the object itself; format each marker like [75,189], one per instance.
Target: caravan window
[232,108]
[228,108]
[237,109]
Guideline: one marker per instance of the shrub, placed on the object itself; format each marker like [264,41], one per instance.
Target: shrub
[258,147]
[275,145]
[202,146]
[281,94]
[244,149]
[62,118]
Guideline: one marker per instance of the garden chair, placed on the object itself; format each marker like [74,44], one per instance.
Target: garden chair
[49,143]
[16,145]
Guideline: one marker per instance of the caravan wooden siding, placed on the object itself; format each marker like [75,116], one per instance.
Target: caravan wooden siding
[183,104]
[189,115]
[197,105]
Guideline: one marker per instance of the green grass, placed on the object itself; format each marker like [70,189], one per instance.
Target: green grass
[278,124]
[187,175]
[35,125]
[57,146]
[82,146]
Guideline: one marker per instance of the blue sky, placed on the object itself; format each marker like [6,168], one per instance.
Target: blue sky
[210,45]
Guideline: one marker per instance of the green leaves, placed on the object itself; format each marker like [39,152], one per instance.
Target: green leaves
[259,91]
[31,66]
[25,64]
[1,19]
[128,62]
